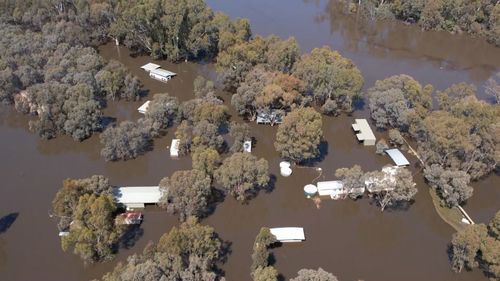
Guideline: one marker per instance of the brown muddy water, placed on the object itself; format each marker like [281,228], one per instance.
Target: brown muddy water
[354,240]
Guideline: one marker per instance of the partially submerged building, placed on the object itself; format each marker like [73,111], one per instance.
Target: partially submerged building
[364,132]
[272,117]
[247,146]
[385,182]
[135,197]
[129,218]
[398,157]
[334,189]
[144,108]
[174,148]
[288,234]
[156,72]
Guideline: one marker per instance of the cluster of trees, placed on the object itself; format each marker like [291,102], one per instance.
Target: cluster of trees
[190,252]
[86,209]
[386,188]
[128,140]
[299,136]
[269,74]
[457,141]
[53,76]
[261,270]
[480,18]
[478,245]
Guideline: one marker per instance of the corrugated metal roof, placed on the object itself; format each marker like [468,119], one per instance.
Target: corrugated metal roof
[365,132]
[397,157]
[162,72]
[150,66]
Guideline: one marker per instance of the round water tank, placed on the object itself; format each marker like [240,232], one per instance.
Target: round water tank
[285,164]
[310,190]
[285,171]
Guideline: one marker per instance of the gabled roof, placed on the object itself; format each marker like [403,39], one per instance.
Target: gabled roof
[397,157]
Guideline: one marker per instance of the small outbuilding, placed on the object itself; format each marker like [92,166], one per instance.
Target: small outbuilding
[174,148]
[134,197]
[272,118]
[398,157]
[129,218]
[161,74]
[289,234]
[150,66]
[364,132]
[334,189]
[144,108]
[386,182]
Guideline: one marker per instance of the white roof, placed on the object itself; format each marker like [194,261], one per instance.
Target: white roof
[162,72]
[174,147]
[397,157]
[365,132]
[150,66]
[138,194]
[143,108]
[287,234]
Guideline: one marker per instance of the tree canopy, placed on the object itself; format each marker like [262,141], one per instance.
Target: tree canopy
[314,275]
[242,175]
[299,135]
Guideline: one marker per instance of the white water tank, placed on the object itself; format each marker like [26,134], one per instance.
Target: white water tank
[310,190]
[285,169]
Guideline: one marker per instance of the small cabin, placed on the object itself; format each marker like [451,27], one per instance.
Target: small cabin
[161,74]
[334,189]
[364,132]
[174,148]
[150,67]
[144,108]
[288,234]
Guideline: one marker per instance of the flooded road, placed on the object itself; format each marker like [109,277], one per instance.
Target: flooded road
[353,240]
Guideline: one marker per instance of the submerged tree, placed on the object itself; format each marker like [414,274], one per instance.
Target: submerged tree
[329,76]
[396,190]
[299,135]
[126,141]
[162,112]
[240,132]
[186,193]
[190,251]
[452,185]
[93,234]
[242,175]
[314,275]
[353,180]
[206,161]
[261,270]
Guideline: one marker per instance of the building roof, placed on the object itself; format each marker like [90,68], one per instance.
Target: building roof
[288,234]
[365,132]
[162,72]
[330,188]
[397,157]
[138,194]
[150,66]
[143,108]
[174,147]
[267,118]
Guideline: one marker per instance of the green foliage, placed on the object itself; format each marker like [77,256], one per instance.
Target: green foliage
[353,180]
[203,87]
[452,185]
[186,193]
[126,141]
[299,135]
[268,273]
[240,132]
[397,101]
[189,252]
[314,275]
[242,175]
[93,234]
[260,256]
[206,161]
[397,190]
[162,112]
[329,76]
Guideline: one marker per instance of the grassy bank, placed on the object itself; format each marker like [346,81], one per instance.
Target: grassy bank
[451,216]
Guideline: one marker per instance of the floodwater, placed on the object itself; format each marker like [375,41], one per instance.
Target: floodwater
[351,239]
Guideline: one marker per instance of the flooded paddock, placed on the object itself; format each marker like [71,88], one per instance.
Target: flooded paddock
[351,239]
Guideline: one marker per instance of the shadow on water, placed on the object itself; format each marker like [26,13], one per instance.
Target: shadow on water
[7,221]
[323,152]
[131,236]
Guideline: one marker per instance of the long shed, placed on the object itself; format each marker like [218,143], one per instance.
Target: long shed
[289,234]
[364,132]
[137,196]
[398,157]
